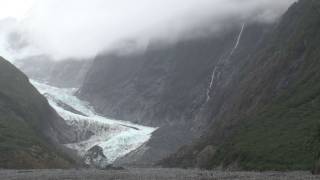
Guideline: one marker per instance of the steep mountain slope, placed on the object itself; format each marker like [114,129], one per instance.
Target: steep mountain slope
[164,82]
[253,90]
[270,113]
[167,86]
[30,130]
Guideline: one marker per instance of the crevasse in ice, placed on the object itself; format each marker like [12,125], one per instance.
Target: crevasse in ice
[116,138]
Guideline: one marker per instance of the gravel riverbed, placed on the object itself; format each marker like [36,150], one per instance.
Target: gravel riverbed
[149,174]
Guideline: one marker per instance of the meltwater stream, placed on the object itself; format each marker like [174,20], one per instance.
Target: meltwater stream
[116,138]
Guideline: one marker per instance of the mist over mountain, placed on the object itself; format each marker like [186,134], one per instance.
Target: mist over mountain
[83,29]
[133,88]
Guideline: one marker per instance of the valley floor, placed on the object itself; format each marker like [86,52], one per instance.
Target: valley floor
[148,174]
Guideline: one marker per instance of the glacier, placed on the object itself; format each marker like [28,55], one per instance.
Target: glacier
[116,138]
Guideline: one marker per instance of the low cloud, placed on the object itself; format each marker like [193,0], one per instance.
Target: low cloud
[84,28]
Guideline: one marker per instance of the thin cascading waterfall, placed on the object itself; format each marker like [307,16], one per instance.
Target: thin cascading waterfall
[235,47]
[214,71]
[213,76]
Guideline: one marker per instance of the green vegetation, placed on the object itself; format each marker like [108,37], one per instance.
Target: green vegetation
[24,116]
[279,138]
[272,114]
[280,133]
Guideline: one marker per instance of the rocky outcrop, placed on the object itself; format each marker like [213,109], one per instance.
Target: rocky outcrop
[95,157]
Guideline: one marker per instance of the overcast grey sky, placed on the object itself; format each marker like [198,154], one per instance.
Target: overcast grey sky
[84,28]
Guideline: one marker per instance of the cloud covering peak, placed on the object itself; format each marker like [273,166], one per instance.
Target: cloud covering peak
[84,28]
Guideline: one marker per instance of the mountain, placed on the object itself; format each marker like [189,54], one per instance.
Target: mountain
[68,73]
[30,130]
[269,117]
[246,99]
[167,86]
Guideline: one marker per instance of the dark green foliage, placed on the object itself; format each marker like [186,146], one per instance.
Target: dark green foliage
[273,110]
[24,118]
[278,139]
[277,134]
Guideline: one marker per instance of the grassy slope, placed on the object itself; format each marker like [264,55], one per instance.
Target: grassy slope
[23,113]
[279,138]
[280,135]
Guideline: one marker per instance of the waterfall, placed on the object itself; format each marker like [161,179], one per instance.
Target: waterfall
[213,76]
[237,41]
[214,71]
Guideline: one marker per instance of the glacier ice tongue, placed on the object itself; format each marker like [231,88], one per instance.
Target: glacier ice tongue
[116,138]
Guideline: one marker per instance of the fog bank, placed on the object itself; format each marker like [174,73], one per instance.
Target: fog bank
[84,28]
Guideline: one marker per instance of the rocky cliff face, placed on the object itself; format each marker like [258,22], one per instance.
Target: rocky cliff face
[30,130]
[170,87]
[253,91]
[269,115]
[162,85]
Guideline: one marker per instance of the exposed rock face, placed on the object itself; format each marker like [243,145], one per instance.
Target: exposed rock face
[31,130]
[253,90]
[95,157]
[164,140]
[168,86]
[267,114]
